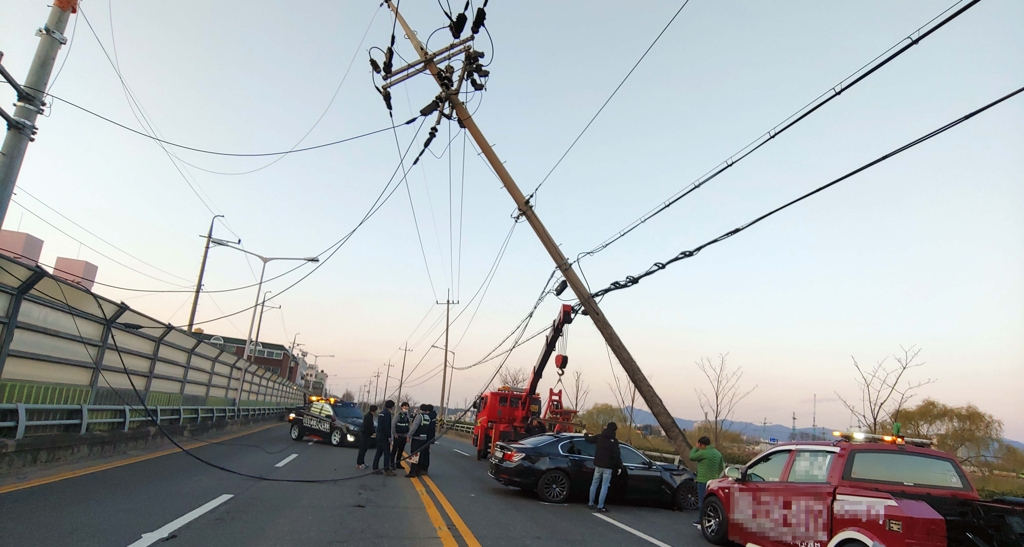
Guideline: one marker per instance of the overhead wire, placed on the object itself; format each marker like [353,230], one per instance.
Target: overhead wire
[659,266]
[22,190]
[821,100]
[609,99]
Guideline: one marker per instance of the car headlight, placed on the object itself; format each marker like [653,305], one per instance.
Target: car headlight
[291,416]
[351,438]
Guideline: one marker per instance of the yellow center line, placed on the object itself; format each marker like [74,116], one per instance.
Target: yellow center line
[467,536]
[447,540]
[119,463]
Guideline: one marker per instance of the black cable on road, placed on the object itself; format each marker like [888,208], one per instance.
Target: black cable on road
[658,266]
[785,124]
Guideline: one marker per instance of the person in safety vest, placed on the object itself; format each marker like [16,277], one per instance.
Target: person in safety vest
[400,431]
[420,432]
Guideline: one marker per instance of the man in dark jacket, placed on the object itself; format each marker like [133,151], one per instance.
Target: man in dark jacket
[607,460]
[400,432]
[365,434]
[421,432]
[384,440]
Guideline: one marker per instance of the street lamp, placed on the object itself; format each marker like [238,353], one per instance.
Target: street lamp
[259,291]
[444,403]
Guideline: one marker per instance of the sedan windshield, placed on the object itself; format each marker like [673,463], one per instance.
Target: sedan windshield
[346,412]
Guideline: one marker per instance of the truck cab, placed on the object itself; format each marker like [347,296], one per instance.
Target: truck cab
[858,491]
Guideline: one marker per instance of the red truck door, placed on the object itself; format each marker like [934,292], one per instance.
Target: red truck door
[786,499]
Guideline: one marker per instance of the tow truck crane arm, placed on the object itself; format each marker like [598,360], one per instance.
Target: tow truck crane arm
[564,318]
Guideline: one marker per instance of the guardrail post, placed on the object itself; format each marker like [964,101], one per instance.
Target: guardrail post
[85,419]
[158,416]
[12,314]
[127,417]
[102,349]
[181,415]
[22,418]
[677,459]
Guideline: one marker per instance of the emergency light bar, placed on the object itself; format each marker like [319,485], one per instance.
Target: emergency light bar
[857,436]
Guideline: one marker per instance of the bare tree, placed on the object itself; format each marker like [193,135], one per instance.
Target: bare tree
[725,393]
[625,394]
[513,377]
[578,391]
[881,397]
[348,396]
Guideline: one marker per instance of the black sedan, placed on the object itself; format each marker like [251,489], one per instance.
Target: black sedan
[561,465]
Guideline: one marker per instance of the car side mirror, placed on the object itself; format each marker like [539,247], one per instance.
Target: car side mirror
[734,473]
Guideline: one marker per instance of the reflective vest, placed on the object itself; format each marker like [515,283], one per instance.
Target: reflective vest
[426,427]
[402,423]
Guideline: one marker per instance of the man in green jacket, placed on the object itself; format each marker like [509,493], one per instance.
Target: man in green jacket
[709,466]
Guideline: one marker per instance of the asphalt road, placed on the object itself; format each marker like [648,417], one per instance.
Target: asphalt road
[189,503]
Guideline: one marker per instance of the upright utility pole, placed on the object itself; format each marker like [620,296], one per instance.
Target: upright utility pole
[387,375]
[202,270]
[401,379]
[259,324]
[376,385]
[643,385]
[21,126]
[447,324]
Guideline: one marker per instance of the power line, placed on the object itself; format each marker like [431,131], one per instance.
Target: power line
[609,99]
[93,249]
[487,280]
[658,266]
[86,230]
[788,122]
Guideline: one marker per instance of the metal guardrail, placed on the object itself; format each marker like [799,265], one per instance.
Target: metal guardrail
[163,414]
[461,428]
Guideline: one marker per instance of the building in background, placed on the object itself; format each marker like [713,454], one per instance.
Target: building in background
[274,357]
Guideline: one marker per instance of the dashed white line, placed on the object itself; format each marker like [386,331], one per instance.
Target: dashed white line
[310,443]
[285,461]
[460,452]
[633,531]
[165,530]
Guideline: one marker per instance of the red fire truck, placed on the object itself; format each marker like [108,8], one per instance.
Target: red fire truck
[505,413]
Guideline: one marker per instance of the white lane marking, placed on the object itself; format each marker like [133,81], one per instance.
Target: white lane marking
[636,533]
[310,443]
[460,452]
[165,530]
[285,461]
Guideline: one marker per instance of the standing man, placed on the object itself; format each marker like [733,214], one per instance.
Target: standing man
[710,465]
[384,440]
[418,434]
[366,433]
[607,460]
[400,432]
[429,432]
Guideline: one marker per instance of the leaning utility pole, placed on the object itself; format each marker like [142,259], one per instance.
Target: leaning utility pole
[202,270]
[401,379]
[21,126]
[590,306]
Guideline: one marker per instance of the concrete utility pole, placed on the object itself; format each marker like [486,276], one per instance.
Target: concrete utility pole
[202,270]
[259,323]
[447,324]
[376,385]
[387,375]
[590,307]
[31,99]
[401,379]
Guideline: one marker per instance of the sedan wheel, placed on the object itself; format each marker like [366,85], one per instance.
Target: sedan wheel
[713,522]
[296,432]
[336,437]
[686,496]
[553,487]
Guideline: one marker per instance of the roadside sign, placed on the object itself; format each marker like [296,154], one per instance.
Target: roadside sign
[773,440]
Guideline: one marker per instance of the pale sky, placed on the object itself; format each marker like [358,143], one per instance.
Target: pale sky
[926,249]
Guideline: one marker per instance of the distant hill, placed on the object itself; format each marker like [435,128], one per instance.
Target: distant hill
[780,432]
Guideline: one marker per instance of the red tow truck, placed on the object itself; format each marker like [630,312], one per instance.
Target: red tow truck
[860,490]
[505,413]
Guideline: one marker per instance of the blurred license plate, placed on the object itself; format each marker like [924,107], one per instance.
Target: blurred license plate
[496,456]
